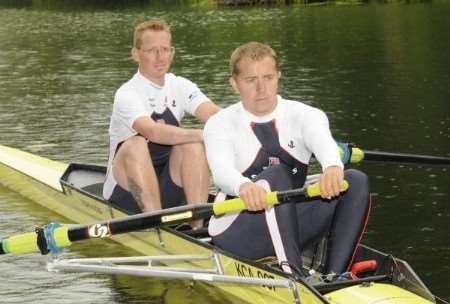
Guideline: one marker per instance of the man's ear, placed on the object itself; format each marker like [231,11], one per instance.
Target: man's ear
[234,85]
[173,53]
[134,54]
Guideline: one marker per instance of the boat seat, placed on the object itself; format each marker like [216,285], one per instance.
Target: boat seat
[94,189]
[314,257]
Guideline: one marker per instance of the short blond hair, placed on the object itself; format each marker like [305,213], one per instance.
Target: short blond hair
[151,25]
[253,50]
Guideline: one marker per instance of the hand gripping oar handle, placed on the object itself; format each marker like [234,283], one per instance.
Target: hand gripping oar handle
[53,237]
[273,198]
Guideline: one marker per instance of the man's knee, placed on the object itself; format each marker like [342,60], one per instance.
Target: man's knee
[358,185]
[195,149]
[191,151]
[134,149]
[356,178]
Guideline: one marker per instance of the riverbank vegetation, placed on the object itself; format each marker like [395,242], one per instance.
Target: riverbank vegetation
[117,4]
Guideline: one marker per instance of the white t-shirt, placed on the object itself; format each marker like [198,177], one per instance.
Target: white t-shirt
[140,97]
[231,145]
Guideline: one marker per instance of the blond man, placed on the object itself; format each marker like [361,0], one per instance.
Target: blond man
[264,143]
[154,162]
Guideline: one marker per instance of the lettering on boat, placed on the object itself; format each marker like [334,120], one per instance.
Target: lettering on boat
[91,206]
[176,216]
[99,230]
[86,202]
[244,270]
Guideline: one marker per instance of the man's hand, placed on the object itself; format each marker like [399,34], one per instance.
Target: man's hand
[197,224]
[331,182]
[253,195]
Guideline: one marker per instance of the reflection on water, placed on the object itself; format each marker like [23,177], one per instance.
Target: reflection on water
[27,280]
[379,72]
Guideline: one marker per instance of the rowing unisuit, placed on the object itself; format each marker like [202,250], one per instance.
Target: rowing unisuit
[140,97]
[274,151]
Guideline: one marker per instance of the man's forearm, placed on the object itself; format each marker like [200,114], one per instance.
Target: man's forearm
[172,135]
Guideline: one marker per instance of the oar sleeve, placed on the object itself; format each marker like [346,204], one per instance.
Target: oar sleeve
[28,242]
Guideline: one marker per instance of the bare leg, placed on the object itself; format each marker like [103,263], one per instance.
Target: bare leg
[133,171]
[189,169]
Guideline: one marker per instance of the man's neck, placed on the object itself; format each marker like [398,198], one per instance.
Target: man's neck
[156,80]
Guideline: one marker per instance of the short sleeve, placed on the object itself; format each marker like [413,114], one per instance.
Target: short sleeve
[128,107]
[192,95]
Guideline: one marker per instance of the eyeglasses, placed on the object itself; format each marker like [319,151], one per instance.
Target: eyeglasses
[160,51]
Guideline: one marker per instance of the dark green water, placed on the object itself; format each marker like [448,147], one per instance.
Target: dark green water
[380,72]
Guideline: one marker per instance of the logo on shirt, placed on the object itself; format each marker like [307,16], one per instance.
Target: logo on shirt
[273,161]
[193,96]
[291,144]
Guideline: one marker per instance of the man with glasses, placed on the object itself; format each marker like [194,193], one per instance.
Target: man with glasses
[153,162]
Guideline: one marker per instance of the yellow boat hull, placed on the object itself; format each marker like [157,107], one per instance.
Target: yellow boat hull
[38,179]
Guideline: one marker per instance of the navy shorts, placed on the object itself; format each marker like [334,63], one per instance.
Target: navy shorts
[171,194]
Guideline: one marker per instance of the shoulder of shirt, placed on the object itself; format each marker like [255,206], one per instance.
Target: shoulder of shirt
[296,107]
[172,78]
[127,87]
[226,115]
[231,111]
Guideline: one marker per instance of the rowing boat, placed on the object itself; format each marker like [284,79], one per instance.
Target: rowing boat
[74,191]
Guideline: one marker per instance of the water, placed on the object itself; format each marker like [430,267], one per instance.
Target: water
[380,72]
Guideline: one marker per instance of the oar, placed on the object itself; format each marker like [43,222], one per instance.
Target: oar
[355,155]
[54,237]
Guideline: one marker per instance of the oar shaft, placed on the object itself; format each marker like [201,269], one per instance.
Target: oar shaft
[356,155]
[406,158]
[182,214]
[63,236]
[54,237]
[141,221]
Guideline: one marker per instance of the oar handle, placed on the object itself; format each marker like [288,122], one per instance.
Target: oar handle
[273,198]
[237,204]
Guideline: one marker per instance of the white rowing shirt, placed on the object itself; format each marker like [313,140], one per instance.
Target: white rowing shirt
[232,146]
[140,97]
